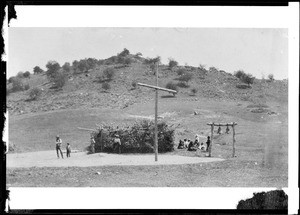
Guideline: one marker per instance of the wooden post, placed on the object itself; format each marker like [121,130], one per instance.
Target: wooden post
[211,139]
[156,105]
[233,142]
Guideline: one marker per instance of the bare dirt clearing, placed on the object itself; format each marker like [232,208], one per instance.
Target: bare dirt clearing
[81,159]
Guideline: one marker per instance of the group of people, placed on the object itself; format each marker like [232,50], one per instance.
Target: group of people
[193,146]
[58,143]
[116,144]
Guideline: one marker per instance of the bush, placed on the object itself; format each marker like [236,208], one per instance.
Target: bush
[20,75]
[59,80]
[105,86]
[172,63]
[186,77]
[109,73]
[52,69]
[194,91]
[35,93]
[172,86]
[213,69]
[248,79]
[134,84]
[271,77]
[26,87]
[26,74]
[124,53]
[66,67]
[183,84]
[239,74]
[17,84]
[150,61]
[37,70]
[139,138]
[180,71]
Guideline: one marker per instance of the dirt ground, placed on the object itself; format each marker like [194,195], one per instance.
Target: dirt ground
[82,159]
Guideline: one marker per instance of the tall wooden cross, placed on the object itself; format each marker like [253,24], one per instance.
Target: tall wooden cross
[156,107]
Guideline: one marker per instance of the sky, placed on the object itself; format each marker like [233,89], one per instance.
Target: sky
[258,51]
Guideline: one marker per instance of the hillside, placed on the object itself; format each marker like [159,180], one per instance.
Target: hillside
[84,91]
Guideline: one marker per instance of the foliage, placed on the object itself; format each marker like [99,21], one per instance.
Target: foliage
[26,74]
[172,86]
[248,79]
[213,69]
[271,77]
[150,61]
[84,64]
[66,67]
[59,80]
[180,71]
[182,84]
[26,87]
[109,73]
[105,86]
[20,75]
[17,84]
[139,138]
[276,200]
[202,67]
[37,70]
[194,91]
[186,77]
[124,53]
[239,74]
[52,69]
[35,93]
[172,63]
[138,55]
[134,84]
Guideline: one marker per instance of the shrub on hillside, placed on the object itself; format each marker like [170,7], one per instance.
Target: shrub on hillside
[20,75]
[271,77]
[213,69]
[124,53]
[17,84]
[194,91]
[59,80]
[109,73]
[180,71]
[66,67]
[37,70]
[172,86]
[172,63]
[139,138]
[239,74]
[134,84]
[106,86]
[26,74]
[52,69]
[35,93]
[248,79]
[150,61]
[26,87]
[182,84]
[186,77]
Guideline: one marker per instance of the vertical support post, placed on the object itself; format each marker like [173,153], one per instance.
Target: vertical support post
[233,141]
[156,105]
[211,140]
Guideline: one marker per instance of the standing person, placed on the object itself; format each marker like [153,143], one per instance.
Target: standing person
[117,142]
[208,143]
[68,148]
[58,146]
[92,144]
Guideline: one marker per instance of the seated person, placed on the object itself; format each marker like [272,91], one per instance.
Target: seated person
[192,147]
[180,145]
[185,143]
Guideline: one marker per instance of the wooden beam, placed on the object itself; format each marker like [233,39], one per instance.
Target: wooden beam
[233,142]
[223,124]
[86,129]
[156,107]
[157,88]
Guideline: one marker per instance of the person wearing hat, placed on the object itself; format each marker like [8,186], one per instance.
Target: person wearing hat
[58,146]
[117,143]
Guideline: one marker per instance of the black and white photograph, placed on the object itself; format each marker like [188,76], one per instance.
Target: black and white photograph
[164,107]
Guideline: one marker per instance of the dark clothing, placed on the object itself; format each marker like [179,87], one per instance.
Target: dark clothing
[180,145]
[57,150]
[208,144]
[68,151]
[191,147]
[117,145]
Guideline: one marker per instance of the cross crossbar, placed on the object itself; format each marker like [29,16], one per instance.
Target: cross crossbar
[157,88]
[223,124]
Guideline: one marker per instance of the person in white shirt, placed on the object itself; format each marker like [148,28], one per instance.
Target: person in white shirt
[58,146]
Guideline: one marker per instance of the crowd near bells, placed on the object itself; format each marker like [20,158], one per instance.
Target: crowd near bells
[58,148]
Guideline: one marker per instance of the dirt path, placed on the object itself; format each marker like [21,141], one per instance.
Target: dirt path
[81,159]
